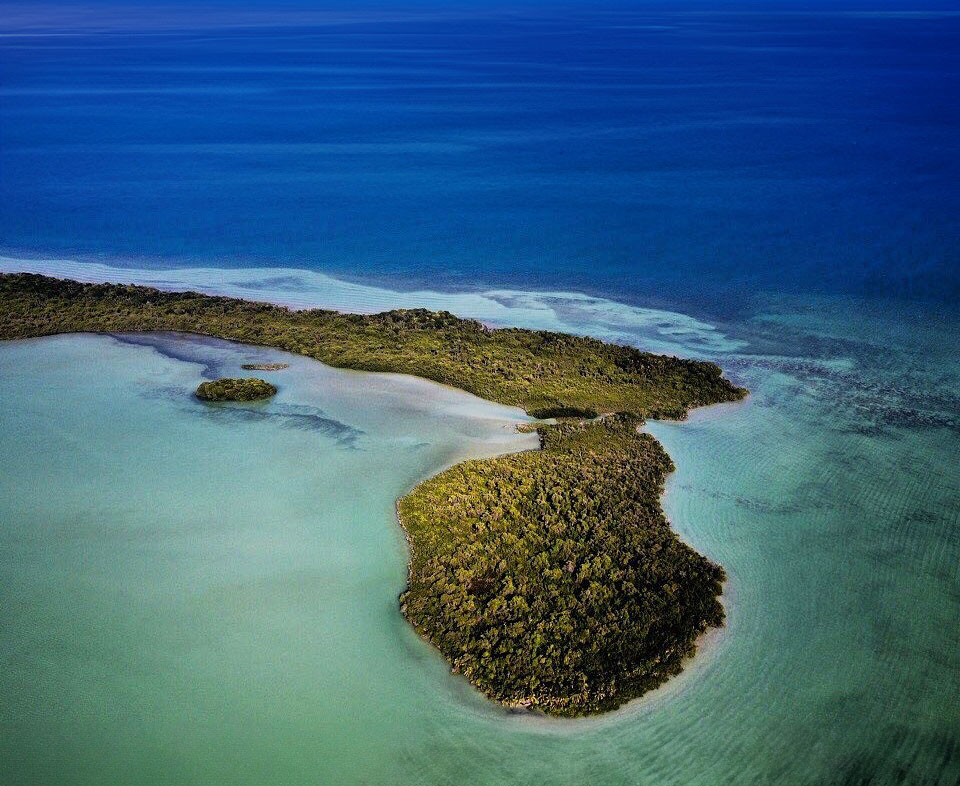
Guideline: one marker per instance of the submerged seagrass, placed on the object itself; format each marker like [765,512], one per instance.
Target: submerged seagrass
[549,579]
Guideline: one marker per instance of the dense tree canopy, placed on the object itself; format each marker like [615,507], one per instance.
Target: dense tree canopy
[551,579]
[232,389]
[543,372]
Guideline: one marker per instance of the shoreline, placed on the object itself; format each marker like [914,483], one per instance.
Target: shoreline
[659,330]
[709,644]
[125,309]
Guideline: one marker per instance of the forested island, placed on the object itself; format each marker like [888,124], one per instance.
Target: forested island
[233,389]
[549,579]
[264,366]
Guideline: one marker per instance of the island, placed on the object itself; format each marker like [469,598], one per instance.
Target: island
[264,366]
[550,579]
[233,389]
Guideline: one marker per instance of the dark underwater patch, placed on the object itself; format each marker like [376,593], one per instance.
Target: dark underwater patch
[290,416]
[216,356]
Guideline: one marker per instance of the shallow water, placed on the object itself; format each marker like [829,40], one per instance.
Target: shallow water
[209,594]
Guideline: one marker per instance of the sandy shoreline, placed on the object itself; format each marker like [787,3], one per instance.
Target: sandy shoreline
[657,330]
[706,642]
[707,646]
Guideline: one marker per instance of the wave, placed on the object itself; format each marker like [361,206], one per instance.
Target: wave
[652,329]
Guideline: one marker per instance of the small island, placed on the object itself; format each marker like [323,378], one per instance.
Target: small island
[232,389]
[550,579]
[264,366]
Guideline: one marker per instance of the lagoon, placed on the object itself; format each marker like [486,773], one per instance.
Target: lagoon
[175,622]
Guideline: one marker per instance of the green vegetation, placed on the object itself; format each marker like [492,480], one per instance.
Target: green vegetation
[545,413]
[231,389]
[549,579]
[536,370]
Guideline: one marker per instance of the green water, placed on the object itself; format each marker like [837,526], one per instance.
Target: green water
[200,595]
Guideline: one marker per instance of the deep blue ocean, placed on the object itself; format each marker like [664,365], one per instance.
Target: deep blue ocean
[202,596]
[639,154]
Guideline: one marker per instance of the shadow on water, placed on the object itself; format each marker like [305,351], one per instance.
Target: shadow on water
[290,416]
[217,358]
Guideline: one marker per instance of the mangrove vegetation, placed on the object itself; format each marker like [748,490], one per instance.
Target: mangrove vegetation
[550,579]
[232,389]
[264,366]
[541,371]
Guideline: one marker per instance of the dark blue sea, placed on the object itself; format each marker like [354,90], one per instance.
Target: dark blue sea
[774,187]
[638,154]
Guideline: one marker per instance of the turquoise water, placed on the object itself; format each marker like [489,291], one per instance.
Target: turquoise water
[198,594]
